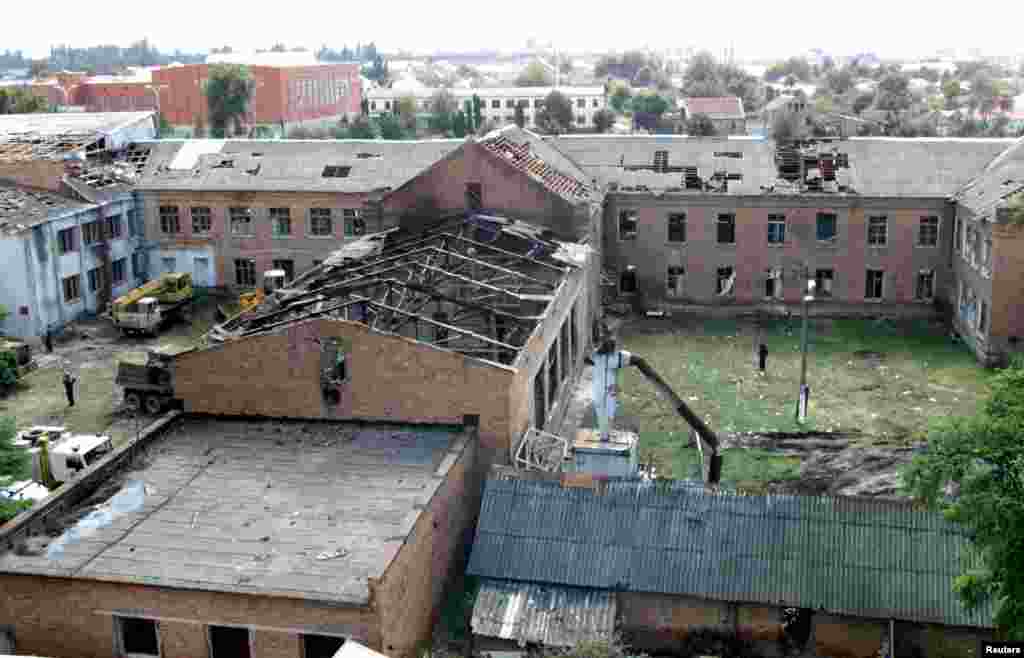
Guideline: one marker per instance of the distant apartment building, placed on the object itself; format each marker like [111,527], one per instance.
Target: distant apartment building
[726,113]
[499,104]
[68,232]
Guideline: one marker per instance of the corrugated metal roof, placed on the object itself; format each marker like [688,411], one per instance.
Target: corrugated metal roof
[550,615]
[1002,178]
[859,557]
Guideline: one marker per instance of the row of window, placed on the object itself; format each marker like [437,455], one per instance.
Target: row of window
[241,222]
[493,103]
[245,269]
[72,285]
[137,636]
[317,92]
[92,232]
[826,228]
[559,369]
[975,247]
[972,308]
[725,283]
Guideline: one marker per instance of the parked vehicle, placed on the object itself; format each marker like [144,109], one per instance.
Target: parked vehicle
[149,385]
[272,280]
[151,307]
[59,455]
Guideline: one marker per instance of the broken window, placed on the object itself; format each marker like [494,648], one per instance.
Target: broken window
[280,222]
[660,161]
[66,240]
[677,227]
[873,287]
[320,222]
[510,104]
[627,281]
[674,280]
[627,224]
[333,362]
[878,231]
[925,288]
[113,226]
[928,232]
[321,646]
[355,225]
[727,228]
[137,637]
[92,232]
[726,281]
[336,171]
[474,196]
[826,226]
[823,282]
[773,283]
[245,272]
[169,223]
[119,270]
[95,276]
[958,235]
[288,266]
[229,642]
[540,412]
[776,229]
[241,220]
[982,316]
[201,220]
[72,288]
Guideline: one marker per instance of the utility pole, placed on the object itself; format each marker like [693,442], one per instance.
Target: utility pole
[803,399]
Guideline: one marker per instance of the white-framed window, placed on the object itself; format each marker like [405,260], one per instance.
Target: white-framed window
[675,279]
[169,223]
[874,287]
[878,231]
[776,229]
[928,232]
[924,289]
[281,222]
[627,225]
[241,220]
[135,637]
[320,222]
[201,220]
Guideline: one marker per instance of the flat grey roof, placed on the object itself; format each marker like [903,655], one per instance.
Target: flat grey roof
[69,122]
[301,509]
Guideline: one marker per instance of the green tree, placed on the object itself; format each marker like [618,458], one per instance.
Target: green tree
[520,115]
[362,128]
[603,120]
[459,125]
[13,460]
[390,127]
[700,125]
[406,106]
[229,92]
[647,109]
[442,111]
[973,470]
[477,112]
[620,98]
[785,128]
[893,93]
[534,75]
[862,102]
[556,117]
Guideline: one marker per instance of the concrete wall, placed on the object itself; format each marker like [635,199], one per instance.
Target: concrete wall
[849,255]
[1007,324]
[35,270]
[222,247]
[390,378]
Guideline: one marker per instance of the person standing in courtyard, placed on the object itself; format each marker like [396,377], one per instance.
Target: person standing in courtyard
[69,385]
[607,361]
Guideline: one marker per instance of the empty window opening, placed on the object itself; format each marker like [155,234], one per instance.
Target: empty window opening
[660,161]
[674,280]
[726,283]
[355,225]
[823,283]
[92,232]
[474,196]
[241,221]
[540,413]
[288,266]
[66,238]
[229,642]
[245,273]
[72,288]
[727,228]
[201,219]
[321,646]
[169,223]
[137,637]
[874,286]
[982,316]
[776,229]
[878,231]
[113,226]
[627,225]
[677,227]
[925,288]
[627,281]
[336,171]
[826,226]
[333,362]
[928,232]
[773,283]
[95,279]
[119,270]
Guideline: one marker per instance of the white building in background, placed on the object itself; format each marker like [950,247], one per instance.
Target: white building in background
[499,103]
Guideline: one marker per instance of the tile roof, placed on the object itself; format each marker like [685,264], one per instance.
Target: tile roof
[858,557]
[719,107]
[1003,177]
[287,165]
[532,155]
[543,614]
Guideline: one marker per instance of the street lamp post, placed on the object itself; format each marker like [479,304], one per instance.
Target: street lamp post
[803,396]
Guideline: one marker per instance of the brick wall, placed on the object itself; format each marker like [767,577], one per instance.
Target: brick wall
[390,377]
[845,637]
[1007,287]
[40,174]
[63,617]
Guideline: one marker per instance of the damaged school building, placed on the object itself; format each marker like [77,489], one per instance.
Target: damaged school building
[68,235]
[330,454]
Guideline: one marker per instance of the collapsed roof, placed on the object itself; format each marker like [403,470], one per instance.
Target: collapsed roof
[477,284]
[22,208]
[1000,180]
[25,137]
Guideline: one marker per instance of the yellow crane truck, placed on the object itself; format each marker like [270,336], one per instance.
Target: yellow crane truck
[151,307]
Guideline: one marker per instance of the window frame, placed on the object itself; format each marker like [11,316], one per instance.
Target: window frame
[917,285]
[286,264]
[236,214]
[881,284]
[874,230]
[921,225]
[252,265]
[75,279]
[115,226]
[317,215]
[92,232]
[277,215]
[819,288]
[680,227]
[114,279]
[168,215]
[835,227]
[629,271]
[94,278]
[634,218]
[70,245]
[354,225]
[725,219]
[119,644]
[777,220]
[197,213]
[678,278]
[250,636]
[720,281]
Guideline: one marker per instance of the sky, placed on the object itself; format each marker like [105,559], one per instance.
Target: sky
[755,30]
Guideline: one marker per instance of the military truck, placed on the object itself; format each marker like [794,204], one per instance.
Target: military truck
[151,307]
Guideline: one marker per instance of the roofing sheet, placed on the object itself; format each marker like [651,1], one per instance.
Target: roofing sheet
[859,557]
[73,122]
[530,154]
[545,614]
[1003,177]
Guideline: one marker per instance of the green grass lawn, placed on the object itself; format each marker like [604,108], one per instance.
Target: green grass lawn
[918,377]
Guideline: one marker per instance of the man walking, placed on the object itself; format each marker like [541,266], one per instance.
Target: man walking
[48,340]
[69,385]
